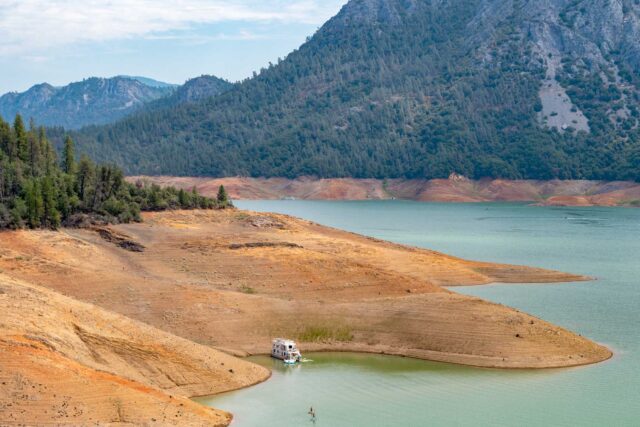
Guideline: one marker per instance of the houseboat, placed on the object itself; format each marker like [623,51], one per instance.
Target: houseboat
[285,350]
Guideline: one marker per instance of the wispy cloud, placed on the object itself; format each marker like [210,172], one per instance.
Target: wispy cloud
[33,26]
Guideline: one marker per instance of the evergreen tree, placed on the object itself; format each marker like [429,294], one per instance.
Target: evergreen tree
[35,155]
[34,203]
[22,145]
[49,155]
[223,198]
[184,198]
[85,177]
[222,195]
[51,215]
[5,137]
[68,157]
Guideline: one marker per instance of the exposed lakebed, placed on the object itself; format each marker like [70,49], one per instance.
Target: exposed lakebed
[371,390]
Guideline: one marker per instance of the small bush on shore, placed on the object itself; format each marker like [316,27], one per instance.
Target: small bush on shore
[325,333]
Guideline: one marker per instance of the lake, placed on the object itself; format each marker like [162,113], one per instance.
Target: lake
[371,390]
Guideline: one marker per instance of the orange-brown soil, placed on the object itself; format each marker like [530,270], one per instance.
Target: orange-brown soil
[232,280]
[64,362]
[454,189]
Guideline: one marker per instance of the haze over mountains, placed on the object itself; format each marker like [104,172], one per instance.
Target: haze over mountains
[97,101]
[417,89]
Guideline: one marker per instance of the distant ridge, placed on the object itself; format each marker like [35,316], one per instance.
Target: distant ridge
[91,101]
[100,101]
[151,82]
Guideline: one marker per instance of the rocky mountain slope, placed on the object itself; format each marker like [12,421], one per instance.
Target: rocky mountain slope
[98,101]
[91,101]
[419,89]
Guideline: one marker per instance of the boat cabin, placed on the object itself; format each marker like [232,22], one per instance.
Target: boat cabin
[285,350]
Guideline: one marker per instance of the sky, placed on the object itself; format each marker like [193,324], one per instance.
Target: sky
[61,41]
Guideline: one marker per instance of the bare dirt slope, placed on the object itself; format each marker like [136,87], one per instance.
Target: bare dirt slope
[236,279]
[454,189]
[63,362]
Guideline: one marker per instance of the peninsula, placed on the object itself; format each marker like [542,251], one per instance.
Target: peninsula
[154,313]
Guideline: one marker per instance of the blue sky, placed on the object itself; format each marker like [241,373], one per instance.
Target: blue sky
[60,41]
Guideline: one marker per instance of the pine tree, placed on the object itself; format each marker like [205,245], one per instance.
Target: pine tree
[184,199]
[51,214]
[86,174]
[68,157]
[223,198]
[5,137]
[22,145]
[35,155]
[35,204]
[50,159]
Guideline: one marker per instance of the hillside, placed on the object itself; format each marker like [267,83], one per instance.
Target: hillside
[418,89]
[91,101]
[69,363]
[235,279]
[193,90]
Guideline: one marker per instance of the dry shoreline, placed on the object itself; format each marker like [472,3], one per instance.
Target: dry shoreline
[447,358]
[455,189]
[231,281]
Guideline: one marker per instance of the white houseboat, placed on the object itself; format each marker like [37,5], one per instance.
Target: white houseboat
[285,350]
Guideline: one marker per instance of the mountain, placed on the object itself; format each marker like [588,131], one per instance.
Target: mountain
[418,89]
[151,82]
[193,90]
[91,101]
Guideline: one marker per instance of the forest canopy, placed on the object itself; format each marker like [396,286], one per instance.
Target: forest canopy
[38,190]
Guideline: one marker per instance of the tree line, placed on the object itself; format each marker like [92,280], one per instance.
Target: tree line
[40,190]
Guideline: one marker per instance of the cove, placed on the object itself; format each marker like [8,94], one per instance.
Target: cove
[371,390]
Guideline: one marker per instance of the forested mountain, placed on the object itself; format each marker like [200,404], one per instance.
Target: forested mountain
[37,190]
[418,88]
[193,90]
[91,101]
[151,82]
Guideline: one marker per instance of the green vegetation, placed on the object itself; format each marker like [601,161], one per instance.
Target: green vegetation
[325,333]
[38,192]
[421,93]
[222,197]
[247,290]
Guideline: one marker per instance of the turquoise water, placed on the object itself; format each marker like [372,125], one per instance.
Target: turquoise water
[366,390]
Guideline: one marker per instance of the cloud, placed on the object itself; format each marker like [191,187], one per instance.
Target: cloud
[29,27]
